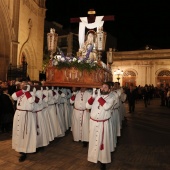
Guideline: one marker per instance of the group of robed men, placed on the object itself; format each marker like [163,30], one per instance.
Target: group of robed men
[94,116]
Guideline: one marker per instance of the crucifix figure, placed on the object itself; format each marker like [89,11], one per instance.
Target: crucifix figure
[90,22]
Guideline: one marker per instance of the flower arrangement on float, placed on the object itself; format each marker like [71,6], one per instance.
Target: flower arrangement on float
[61,61]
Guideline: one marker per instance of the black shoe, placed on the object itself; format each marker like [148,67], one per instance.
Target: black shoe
[102,166]
[85,144]
[39,149]
[22,157]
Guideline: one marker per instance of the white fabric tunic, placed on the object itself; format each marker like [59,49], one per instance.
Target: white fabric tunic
[24,136]
[119,92]
[100,130]
[80,117]
[42,132]
[46,115]
[59,114]
[56,129]
[123,100]
[113,133]
[64,108]
[116,115]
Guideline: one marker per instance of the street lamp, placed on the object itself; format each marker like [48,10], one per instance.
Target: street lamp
[118,72]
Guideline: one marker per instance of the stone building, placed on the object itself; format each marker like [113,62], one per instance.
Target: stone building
[22,35]
[142,67]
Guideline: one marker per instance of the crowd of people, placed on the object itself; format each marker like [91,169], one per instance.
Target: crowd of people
[37,114]
[147,93]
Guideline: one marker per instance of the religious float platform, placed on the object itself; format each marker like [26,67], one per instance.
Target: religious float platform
[83,70]
[72,77]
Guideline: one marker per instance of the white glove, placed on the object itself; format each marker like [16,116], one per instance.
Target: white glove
[41,88]
[52,88]
[63,95]
[98,93]
[74,93]
[34,90]
[94,93]
[47,88]
[28,87]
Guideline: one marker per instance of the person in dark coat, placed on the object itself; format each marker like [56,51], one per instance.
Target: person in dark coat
[6,111]
[131,97]
[146,95]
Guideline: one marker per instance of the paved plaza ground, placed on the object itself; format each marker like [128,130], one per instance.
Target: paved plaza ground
[144,145]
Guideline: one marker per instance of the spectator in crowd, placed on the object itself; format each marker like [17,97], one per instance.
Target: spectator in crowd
[131,97]
[6,110]
[146,95]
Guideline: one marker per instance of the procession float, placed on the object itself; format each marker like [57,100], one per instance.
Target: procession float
[86,69]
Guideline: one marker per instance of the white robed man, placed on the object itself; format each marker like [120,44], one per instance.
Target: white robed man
[80,116]
[115,117]
[123,98]
[24,136]
[46,114]
[119,91]
[42,131]
[63,107]
[57,98]
[65,103]
[56,129]
[100,126]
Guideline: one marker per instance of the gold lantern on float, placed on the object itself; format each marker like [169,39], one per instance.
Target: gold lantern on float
[52,39]
[110,57]
[101,41]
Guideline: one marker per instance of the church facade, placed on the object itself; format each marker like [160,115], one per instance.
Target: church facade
[22,35]
[148,66]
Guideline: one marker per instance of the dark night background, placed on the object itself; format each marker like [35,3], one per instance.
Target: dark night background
[137,23]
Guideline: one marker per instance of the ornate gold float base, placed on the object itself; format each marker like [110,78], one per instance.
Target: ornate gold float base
[75,78]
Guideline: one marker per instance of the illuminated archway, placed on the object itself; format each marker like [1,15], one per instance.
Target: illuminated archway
[129,77]
[163,77]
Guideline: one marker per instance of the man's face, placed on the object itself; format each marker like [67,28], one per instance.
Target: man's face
[23,84]
[116,86]
[104,89]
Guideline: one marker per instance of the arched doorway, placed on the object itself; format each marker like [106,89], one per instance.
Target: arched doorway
[163,78]
[129,78]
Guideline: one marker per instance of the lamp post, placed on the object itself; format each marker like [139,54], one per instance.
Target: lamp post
[118,72]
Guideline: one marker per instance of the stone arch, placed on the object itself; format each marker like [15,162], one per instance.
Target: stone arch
[129,77]
[161,70]
[30,58]
[163,77]
[5,41]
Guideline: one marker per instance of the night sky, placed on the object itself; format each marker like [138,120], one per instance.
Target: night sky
[137,22]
